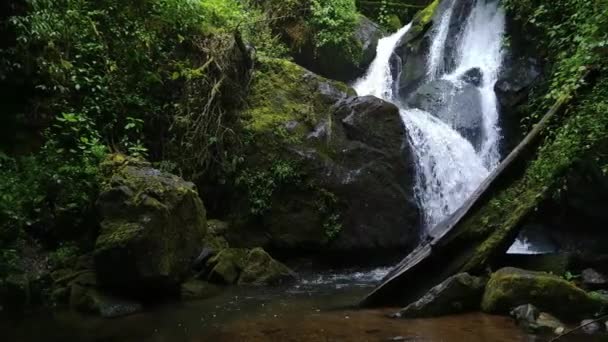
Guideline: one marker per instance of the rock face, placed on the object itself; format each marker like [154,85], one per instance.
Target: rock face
[511,287]
[247,267]
[459,293]
[345,62]
[152,226]
[338,171]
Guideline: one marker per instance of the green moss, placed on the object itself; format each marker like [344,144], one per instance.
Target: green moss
[511,287]
[262,269]
[117,234]
[422,19]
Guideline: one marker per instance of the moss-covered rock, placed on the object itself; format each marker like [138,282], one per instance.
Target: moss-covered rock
[262,269]
[512,287]
[226,266]
[326,170]
[345,62]
[247,267]
[151,228]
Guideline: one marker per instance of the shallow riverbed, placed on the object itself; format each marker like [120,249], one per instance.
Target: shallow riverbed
[318,308]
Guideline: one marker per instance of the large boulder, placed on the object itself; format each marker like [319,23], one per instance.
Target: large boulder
[326,171]
[459,293]
[152,226]
[512,287]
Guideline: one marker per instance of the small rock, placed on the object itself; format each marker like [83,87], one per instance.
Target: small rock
[473,76]
[559,330]
[525,314]
[594,280]
[590,327]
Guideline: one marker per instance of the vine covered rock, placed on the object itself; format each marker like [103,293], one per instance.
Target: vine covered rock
[327,171]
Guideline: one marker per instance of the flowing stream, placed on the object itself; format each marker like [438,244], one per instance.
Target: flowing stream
[449,167]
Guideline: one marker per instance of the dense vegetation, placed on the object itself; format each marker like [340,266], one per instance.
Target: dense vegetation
[160,79]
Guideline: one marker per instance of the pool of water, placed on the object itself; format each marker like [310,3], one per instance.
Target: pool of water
[318,308]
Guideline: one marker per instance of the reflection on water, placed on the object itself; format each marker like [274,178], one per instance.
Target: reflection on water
[316,309]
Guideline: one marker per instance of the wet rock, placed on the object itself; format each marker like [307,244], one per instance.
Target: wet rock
[547,323]
[530,318]
[261,269]
[198,289]
[525,314]
[352,179]
[152,225]
[459,293]
[591,327]
[473,76]
[514,81]
[457,106]
[594,280]
[511,287]
[227,265]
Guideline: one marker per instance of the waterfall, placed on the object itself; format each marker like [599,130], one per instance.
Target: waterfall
[449,168]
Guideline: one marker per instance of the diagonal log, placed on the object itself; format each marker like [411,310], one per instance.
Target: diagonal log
[465,242]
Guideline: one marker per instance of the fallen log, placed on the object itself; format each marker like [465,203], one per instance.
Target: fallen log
[467,241]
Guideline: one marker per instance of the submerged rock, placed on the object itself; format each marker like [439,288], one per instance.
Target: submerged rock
[459,293]
[511,287]
[152,225]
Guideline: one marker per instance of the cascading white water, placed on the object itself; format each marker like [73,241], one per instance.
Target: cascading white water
[448,167]
[436,52]
[481,47]
[379,79]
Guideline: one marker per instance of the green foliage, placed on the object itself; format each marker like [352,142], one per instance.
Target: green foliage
[260,185]
[333,21]
[64,256]
[55,186]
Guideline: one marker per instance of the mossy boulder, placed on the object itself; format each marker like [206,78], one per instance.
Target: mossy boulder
[326,171]
[459,293]
[247,267]
[511,287]
[226,266]
[152,226]
[262,269]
